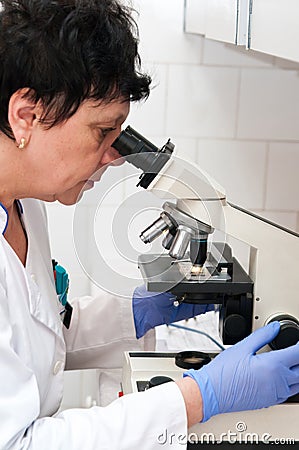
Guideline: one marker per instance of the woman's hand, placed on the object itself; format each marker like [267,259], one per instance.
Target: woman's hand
[152,309]
[239,379]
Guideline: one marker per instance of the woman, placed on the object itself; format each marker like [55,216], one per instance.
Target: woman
[68,74]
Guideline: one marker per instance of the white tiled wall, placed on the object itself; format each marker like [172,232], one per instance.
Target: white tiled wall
[239,166]
[282,180]
[235,113]
[201,101]
[269,105]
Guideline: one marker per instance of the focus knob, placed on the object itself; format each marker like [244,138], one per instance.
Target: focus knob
[159,379]
[235,327]
[288,334]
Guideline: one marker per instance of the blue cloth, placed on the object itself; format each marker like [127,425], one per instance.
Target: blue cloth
[152,309]
[238,379]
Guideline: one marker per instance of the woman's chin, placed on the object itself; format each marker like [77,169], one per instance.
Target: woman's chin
[73,195]
[70,197]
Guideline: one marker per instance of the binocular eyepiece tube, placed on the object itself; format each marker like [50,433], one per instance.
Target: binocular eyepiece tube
[144,155]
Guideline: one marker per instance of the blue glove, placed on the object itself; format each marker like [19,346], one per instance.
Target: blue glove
[152,309]
[239,380]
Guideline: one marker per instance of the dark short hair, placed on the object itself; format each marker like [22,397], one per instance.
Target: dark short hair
[68,51]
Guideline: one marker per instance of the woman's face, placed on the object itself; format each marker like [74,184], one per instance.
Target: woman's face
[65,156]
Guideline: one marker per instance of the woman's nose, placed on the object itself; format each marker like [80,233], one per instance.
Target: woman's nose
[112,157]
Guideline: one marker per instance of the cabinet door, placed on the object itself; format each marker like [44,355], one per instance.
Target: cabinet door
[243,22]
[274,28]
[195,16]
[222,20]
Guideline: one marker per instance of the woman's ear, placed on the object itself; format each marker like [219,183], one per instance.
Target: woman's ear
[22,114]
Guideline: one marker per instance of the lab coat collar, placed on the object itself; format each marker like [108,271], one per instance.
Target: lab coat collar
[4,217]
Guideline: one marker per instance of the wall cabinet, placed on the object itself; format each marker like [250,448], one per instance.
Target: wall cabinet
[268,26]
[222,20]
[195,16]
[274,26]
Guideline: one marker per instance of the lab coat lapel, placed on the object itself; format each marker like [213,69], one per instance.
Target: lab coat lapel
[44,305]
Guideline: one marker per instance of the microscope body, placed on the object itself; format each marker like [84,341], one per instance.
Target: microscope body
[269,291]
[197,269]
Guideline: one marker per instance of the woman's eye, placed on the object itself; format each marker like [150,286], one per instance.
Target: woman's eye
[105,131]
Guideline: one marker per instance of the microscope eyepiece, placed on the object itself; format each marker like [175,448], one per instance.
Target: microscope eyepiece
[142,154]
[130,142]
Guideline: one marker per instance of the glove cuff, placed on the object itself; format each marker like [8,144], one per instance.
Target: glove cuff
[140,320]
[209,399]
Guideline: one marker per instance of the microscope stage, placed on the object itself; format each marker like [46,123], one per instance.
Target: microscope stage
[162,273]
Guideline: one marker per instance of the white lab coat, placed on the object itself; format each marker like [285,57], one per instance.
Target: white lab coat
[34,352]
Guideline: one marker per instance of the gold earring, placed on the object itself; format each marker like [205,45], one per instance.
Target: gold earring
[22,143]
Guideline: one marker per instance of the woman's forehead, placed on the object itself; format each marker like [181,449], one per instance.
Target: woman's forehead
[114,111]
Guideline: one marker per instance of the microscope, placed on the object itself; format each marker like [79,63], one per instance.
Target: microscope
[198,267]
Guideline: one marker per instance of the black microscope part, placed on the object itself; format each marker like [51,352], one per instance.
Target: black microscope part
[198,251]
[131,142]
[157,380]
[190,359]
[142,154]
[288,334]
